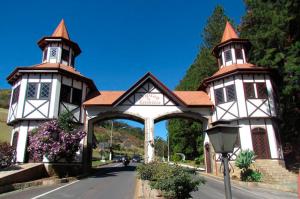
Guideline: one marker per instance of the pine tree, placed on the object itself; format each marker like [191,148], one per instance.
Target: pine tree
[186,135]
[273,27]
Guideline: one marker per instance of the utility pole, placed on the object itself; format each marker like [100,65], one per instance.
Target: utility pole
[168,147]
[111,136]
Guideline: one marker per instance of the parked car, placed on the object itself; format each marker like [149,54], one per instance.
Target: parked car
[117,159]
[136,158]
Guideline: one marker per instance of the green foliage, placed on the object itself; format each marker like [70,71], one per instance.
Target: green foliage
[7,155]
[174,181]
[244,159]
[65,121]
[249,175]
[273,29]
[199,160]
[186,135]
[4,98]
[176,158]
[161,146]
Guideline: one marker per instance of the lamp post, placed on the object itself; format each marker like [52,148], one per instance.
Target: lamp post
[223,137]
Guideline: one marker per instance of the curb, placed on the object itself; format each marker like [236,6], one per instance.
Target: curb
[42,182]
[278,187]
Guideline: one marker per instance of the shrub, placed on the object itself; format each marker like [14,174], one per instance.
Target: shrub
[55,140]
[173,180]
[7,155]
[176,158]
[199,160]
[244,161]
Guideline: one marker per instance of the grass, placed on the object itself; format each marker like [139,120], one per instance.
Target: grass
[97,163]
[5,130]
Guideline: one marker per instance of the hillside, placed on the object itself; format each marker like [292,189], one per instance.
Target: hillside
[4,98]
[125,137]
[5,131]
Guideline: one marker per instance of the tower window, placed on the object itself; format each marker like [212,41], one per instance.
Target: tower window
[65,93]
[53,52]
[261,90]
[238,53]
[15,96]
[249,90]
[76,96]
[45,90]
[45,54]
[65,55]
[32,91]
[72,60]
[219,96]
[228,56]
[230,93]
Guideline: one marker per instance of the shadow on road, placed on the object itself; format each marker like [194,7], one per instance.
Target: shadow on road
[110,171]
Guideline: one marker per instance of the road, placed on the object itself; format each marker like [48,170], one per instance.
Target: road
[110,182]
[117,182]
[214,189]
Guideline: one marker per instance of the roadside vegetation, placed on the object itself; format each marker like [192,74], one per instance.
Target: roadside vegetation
[172,180]
[244,161]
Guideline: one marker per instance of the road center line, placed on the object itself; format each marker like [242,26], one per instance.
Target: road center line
[54,190]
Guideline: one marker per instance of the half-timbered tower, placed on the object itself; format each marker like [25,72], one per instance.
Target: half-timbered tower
[43,91]
[243,94]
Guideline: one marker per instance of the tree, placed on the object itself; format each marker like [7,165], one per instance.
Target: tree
[161,146]
[55,139]
[274,30]
[186,135]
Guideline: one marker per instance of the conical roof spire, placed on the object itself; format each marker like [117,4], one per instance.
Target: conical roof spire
[61,31]
[229,33]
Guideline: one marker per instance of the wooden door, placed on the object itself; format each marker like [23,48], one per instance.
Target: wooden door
[260,143]
[207,158]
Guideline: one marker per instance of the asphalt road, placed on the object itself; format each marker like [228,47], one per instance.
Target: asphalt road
[111,182]
[117,182]
[214,189]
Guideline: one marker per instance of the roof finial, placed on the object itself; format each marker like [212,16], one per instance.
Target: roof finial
[229,33]
[61,30]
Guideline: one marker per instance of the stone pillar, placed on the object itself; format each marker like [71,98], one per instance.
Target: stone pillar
[149,140]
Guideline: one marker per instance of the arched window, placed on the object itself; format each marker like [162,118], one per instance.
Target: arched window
[260,143]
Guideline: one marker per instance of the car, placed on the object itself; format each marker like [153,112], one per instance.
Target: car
[136,158]
[117,159]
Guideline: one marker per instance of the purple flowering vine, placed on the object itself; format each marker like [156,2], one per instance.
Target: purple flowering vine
[54,142]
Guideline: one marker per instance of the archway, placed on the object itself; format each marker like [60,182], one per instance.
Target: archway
[180,138]
[148,101]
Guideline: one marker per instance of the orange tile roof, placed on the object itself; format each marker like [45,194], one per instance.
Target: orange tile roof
[104,98]
[61,31]
[194,98]
[68,70]
[229,33]
[56,66]
[191,98]
[233,68]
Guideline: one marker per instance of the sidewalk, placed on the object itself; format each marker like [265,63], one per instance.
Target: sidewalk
[281,187]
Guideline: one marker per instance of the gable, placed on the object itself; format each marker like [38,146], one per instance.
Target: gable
[148,94]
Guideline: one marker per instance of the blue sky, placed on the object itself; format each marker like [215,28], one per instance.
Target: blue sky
[120,40]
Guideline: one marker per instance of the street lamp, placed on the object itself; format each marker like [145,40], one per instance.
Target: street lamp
[223,137]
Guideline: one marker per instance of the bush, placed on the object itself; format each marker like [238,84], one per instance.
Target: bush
[244,161]
[56,139]
[199,160]
[176,158]
[174,181]
[7,155]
